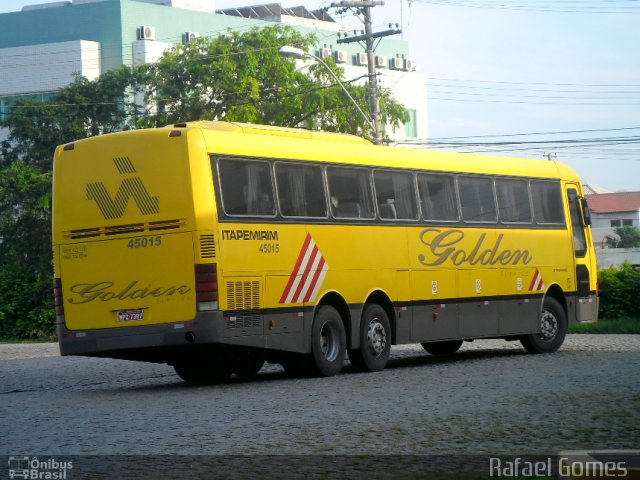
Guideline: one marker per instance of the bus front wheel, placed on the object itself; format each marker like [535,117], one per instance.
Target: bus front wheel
[553,329]
[328,341]
[375,340]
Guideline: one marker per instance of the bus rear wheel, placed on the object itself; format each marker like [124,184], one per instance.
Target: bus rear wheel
[328,342]
[375,340]
[553,329]
[442,348]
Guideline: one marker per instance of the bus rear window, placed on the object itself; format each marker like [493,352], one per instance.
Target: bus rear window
[246,187]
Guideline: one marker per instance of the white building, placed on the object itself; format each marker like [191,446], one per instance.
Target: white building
[44,46]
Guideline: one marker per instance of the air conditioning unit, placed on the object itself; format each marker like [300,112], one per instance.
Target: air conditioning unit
[409,65]
[146,32]
[340,56]
[361,59]
[325,53]
[189,36]
[397,63]
[381,61]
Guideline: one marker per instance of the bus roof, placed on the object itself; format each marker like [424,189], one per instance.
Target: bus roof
[254,140]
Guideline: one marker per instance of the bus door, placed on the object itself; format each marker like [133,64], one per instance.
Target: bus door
[585,265]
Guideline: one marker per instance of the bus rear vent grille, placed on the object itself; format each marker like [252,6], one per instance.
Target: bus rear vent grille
[242,319]
[126,229]
[207,246]
[243,301]
[243,295]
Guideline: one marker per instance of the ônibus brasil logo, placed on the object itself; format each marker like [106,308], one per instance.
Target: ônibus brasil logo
[38,468]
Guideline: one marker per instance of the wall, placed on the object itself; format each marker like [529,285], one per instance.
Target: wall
[601,223]
[46,68]
[608,257]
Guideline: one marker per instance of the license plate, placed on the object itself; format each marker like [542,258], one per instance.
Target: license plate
[130,315]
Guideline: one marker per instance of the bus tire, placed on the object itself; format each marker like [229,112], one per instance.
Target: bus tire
[448,347]
[248,362]
[375,340]
[328,342]
[553,329]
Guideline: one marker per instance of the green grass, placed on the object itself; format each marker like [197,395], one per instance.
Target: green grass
[28,340]
[608,325]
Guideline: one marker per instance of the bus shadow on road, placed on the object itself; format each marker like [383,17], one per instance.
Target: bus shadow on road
[418,360]
[273,372]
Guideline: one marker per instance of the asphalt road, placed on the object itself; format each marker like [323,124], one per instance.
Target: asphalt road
[491,398]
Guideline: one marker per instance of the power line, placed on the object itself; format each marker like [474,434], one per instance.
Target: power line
[506,82]
[542,7]
[563,132]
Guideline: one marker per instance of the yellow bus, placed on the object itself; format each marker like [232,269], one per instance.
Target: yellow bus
[214,247]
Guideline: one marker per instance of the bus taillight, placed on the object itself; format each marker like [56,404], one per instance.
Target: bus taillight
[206,287]
[57,295]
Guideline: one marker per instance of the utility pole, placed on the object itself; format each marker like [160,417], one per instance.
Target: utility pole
[368,38]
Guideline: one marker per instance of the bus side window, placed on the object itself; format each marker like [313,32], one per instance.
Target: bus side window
[513,201]
[301,190]
[350,192]
[395,195]
[246,187]
[547,202]
[476,199]
[438,197]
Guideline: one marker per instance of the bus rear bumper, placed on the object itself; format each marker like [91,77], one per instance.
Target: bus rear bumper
[132,342]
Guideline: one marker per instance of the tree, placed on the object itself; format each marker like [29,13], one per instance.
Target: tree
[81,109]
[240,76]
[626,237]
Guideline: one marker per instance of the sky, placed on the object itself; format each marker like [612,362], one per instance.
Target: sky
[500,71]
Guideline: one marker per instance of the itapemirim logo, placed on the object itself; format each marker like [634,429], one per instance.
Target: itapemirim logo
[133,187]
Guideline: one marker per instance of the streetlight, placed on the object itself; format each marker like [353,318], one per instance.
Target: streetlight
[294,52]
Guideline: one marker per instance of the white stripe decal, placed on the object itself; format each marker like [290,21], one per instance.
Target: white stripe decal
[307,276]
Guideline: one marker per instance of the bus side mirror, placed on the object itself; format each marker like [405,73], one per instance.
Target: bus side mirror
[586,211]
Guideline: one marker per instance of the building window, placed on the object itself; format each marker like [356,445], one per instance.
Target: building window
[411,127]
[6,103]
[616,223]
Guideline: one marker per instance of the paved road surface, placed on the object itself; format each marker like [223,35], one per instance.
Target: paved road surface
[491,398]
